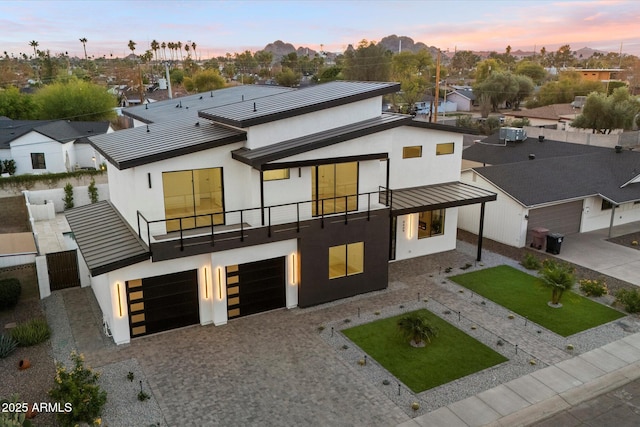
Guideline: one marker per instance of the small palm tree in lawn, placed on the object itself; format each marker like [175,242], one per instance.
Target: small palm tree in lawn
[559,277]
[417,329]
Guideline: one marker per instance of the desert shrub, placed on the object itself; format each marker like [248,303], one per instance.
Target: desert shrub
[13,412]
[531,262]
[31,333]
[79,388]
[593,288]
[630,299]
[7,346]
[10,290]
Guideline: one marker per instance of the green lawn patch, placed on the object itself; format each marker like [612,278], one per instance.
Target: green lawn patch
[525,294]
[451,355]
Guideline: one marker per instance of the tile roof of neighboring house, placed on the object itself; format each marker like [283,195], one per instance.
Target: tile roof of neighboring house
[188,106]
[258,157]
[58,130]
[104,238]
[160,141]
[553,179]
[297,102]
[492,151]
[548,112]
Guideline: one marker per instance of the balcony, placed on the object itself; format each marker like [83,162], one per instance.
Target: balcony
[254,226]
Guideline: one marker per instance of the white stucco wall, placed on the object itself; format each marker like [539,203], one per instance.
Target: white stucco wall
[310,123]
[409,246]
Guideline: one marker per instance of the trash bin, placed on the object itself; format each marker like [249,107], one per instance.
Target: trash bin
[554,242]
[539,235]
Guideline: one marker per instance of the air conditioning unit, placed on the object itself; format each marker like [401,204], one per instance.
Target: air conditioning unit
[512,134]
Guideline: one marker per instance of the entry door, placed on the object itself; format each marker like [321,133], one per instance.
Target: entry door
[162,303]
[255,287]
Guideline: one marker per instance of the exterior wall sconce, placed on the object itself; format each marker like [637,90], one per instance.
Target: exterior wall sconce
[119,299]
[220,283]
[206,284]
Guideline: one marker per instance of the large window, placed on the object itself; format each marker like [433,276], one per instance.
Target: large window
[411,152]
[446,148]
[190,193]
[430,223]
[346,260]
[37,161]
[276,174]
[334,188]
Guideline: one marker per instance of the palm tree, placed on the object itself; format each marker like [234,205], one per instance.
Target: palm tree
[84,46]
[193,46]
[154,46]
[132,47]
[34,44]
[417,329]
[179,46]
[164,51]
[559,277]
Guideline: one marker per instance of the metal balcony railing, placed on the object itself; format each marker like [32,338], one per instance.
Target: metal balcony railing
[237,221]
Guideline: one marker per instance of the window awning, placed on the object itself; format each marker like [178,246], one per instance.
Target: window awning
[440,196]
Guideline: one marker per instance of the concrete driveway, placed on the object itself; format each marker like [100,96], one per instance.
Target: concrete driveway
[593,251]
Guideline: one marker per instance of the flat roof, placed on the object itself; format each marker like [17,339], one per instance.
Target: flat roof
[298,102]
[17,244]
[259,156]
[439,196]
[160,141]
[104,238]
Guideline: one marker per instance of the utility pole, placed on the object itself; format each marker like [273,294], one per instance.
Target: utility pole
[437,97]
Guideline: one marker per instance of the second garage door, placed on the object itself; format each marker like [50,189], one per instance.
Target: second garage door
[255,287]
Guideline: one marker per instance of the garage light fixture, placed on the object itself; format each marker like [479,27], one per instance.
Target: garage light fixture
[220,283]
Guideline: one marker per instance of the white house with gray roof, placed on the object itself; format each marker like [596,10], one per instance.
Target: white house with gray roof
[563,187]
[256,198]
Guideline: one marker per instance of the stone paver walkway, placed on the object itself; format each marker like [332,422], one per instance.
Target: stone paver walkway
[275,369]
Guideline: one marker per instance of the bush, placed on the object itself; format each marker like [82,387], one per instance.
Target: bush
[68,196]
[31,333]
[93,191]
[7,346]
[417,328]
[593,288]
[630,299]
[531,262]
[79,387]
[10,290]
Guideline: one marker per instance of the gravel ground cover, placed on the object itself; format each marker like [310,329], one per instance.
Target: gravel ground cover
[627,240]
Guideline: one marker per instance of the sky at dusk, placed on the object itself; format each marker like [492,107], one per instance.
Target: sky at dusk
[218,27]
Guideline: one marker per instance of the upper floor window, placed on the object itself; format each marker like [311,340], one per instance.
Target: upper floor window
[334,188]
[37,161]
[195,196]
[276,174]
[412,152]
[445,148]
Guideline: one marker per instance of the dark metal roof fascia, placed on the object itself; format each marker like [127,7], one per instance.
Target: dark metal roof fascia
[447,128]
[324,161]
[290,148]
[279,115]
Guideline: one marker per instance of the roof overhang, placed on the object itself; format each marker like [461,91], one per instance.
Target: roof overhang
[439,196]
[104,238]
[259,157]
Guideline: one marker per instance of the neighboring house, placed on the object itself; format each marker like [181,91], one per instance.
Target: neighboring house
[559,115]
[256,198]
[49,146]
[597,74]
[564,187]
[463,97]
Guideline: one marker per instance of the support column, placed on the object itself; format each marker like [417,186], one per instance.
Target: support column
[480,231]
[613,213]
[262,196]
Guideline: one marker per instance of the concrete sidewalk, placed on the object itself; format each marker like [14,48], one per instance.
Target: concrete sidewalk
[548,391]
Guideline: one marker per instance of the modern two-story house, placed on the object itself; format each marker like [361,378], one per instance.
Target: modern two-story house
[256,199]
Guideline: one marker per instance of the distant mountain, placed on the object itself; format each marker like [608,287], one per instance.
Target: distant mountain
[395,43]
[280,49]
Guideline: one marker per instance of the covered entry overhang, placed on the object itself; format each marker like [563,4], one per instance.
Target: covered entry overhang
[441,196]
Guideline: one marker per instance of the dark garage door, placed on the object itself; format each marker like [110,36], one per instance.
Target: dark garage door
[164,302]
[564,218]
[255,287]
